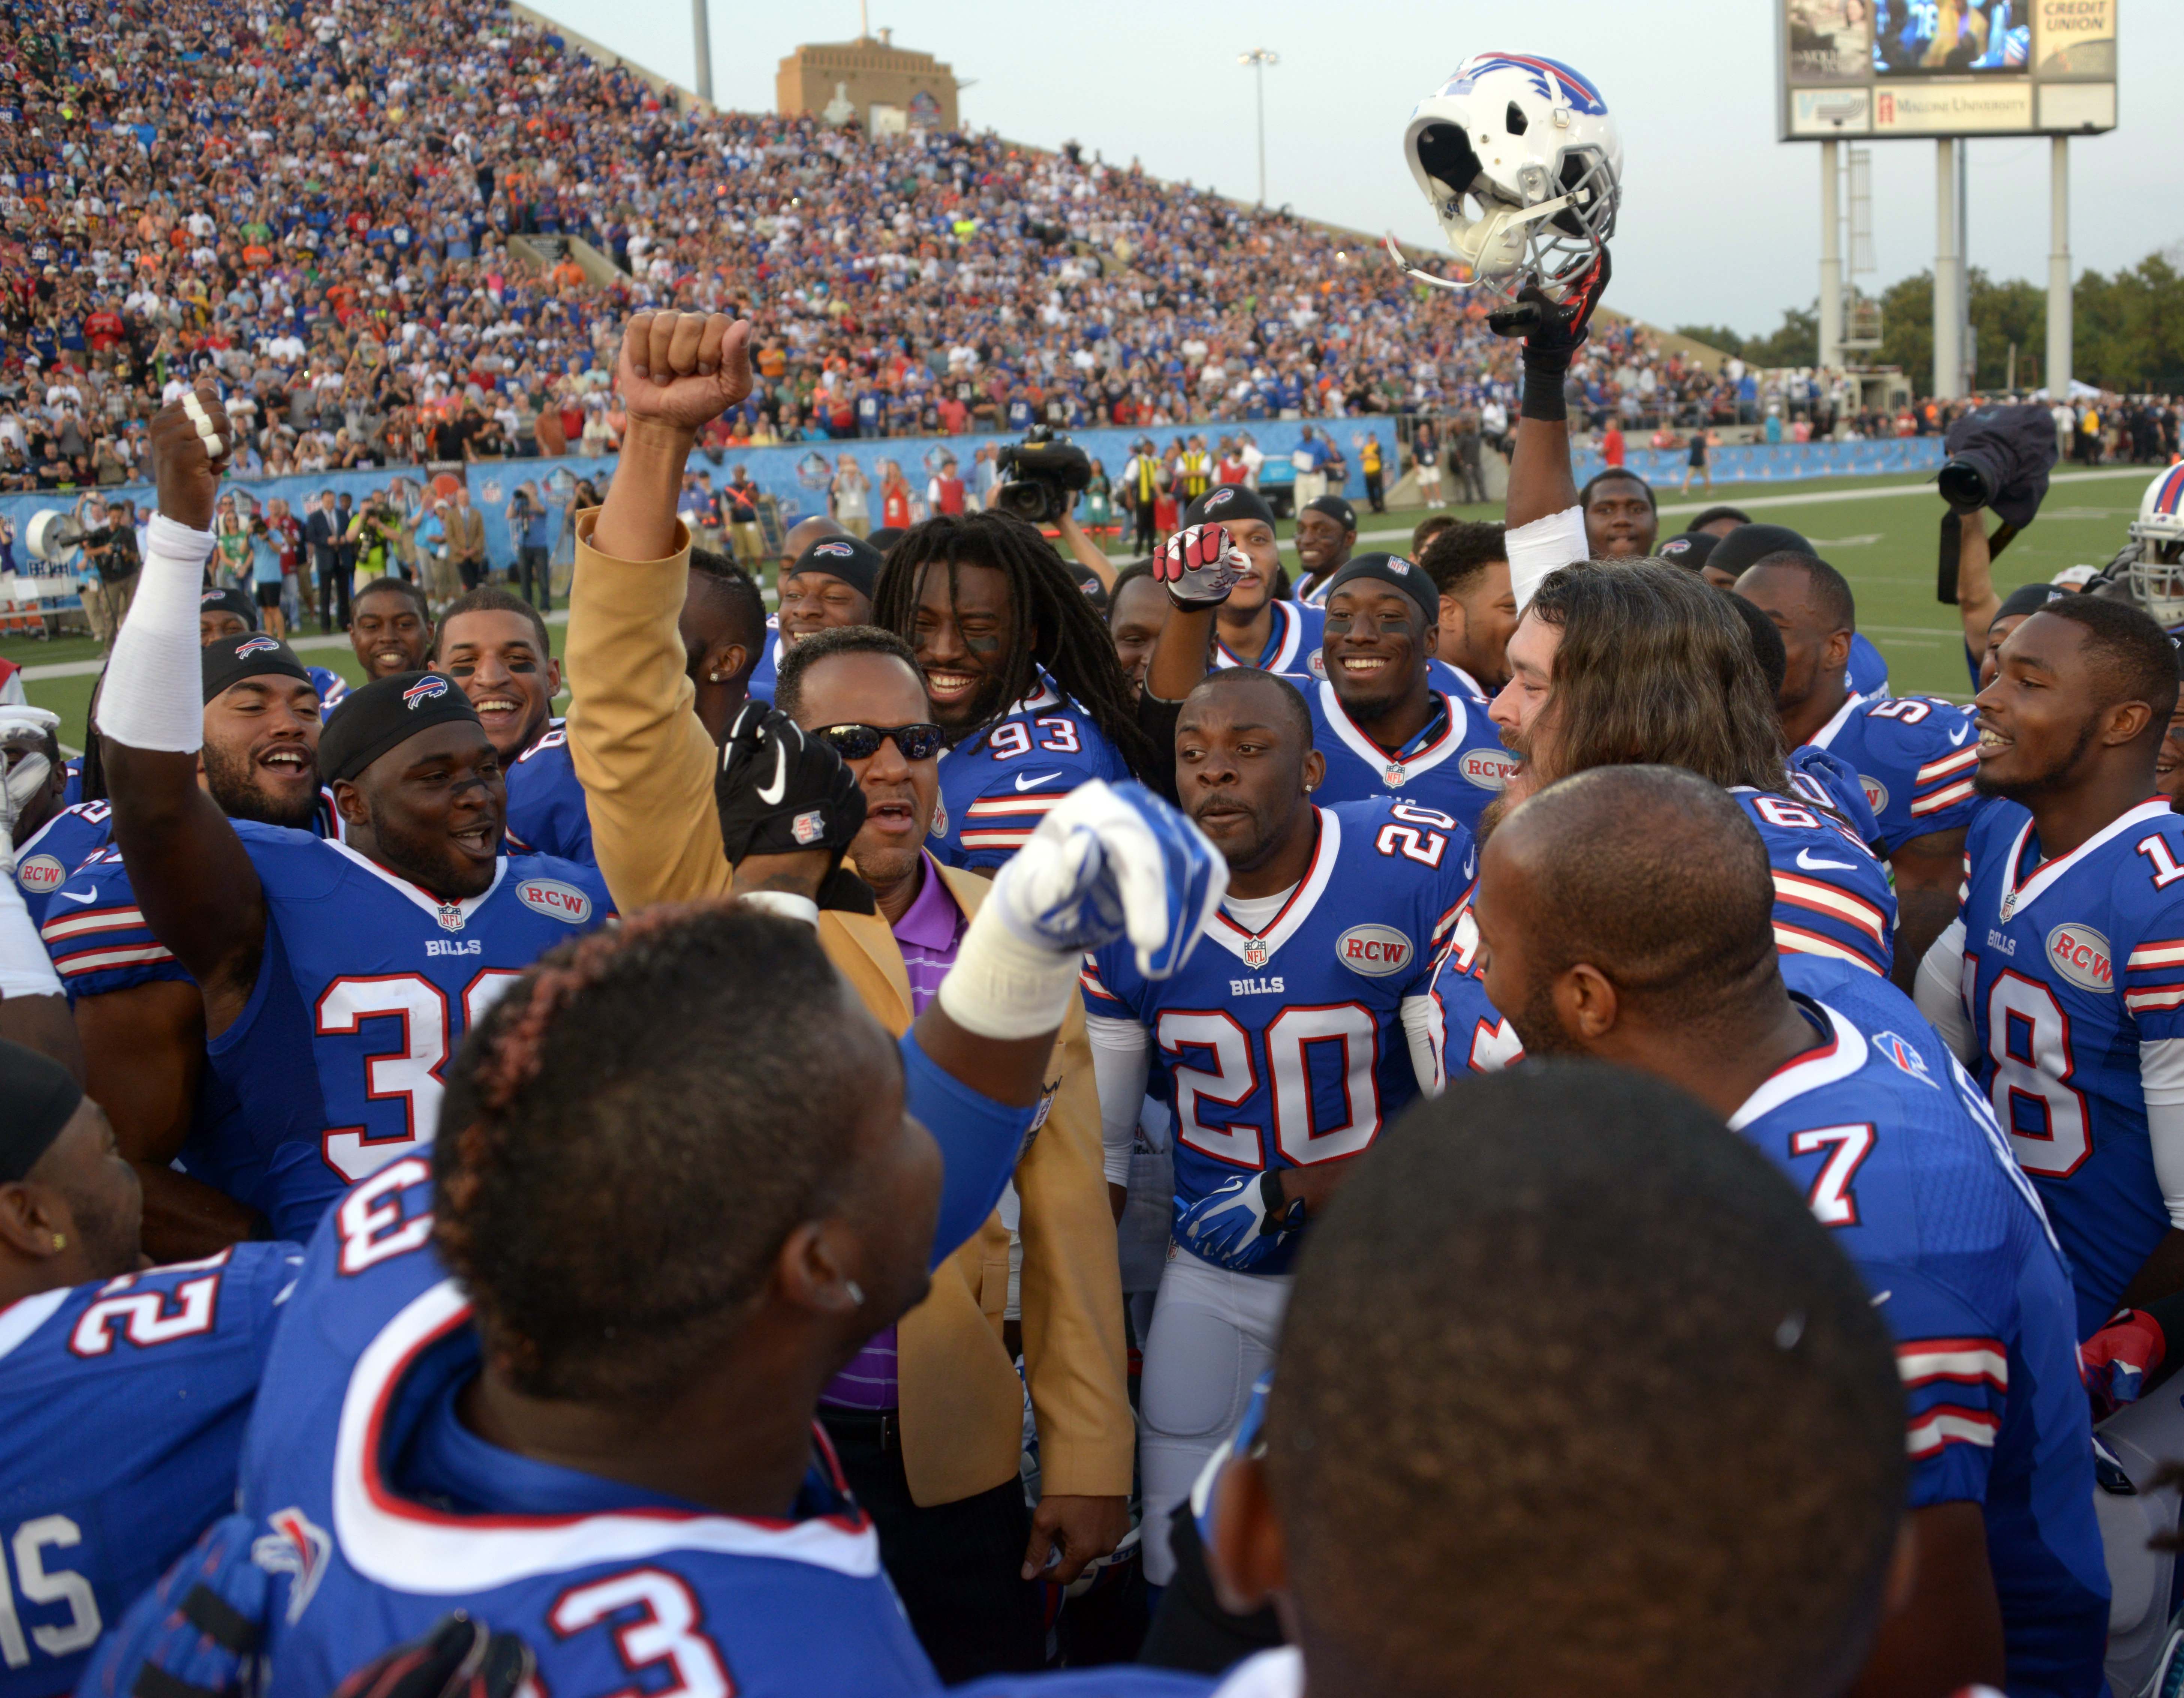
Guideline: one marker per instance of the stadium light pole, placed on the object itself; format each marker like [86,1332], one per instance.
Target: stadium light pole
[1258,59]
[702,41]
[2059,270]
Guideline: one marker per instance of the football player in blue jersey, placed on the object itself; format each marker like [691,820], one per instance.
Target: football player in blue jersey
[372,957]
[1638,661]
[33,734]
[1600,943]
[1020,672]
[1256,627]
[127,1390]
[829,583]
[390,628]
[2062,983]
[1381,726]
[1326,532]
[231,614]
[1305,1023]
[1470,566]
[1913,755]
[33,1009]
[138,1012]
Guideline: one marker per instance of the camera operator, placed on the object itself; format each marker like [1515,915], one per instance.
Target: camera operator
[1041,478]
[110,552]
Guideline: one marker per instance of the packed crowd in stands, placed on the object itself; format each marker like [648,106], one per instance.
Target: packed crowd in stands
[318,199]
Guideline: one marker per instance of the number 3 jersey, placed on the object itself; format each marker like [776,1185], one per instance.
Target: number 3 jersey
[127,1400]
[1296,1042]
[997,786]
[1896,1153]
[2073,976]
[393,1513]
[367,985]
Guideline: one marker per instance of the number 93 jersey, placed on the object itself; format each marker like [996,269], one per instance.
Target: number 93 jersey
[1296,1043]
[366,986]
[997,786]
[2073,976]
[127,1399]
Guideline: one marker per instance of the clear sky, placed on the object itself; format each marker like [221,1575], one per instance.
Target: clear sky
[1720,221]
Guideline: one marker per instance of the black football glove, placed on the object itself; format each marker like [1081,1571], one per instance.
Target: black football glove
[1553,331]
[457,1658]
[780,792]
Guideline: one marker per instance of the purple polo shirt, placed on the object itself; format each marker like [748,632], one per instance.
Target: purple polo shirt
[928,936]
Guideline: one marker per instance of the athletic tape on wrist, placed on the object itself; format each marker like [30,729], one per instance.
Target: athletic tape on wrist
[154,696]
[786,903]
[1003,987]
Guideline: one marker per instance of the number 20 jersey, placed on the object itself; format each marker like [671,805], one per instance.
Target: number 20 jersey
[366,986]
[1289,1047]
[393,1513]
[2069,965]
[126,1402]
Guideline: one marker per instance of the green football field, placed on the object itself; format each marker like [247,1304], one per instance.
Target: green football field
[1880,532]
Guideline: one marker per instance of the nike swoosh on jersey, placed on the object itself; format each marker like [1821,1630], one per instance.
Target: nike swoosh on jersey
[78,896]
[1805,860]
[771,794]
[1956,741]
[1033,780]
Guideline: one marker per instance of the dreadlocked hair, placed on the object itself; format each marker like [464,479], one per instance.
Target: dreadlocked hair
[1068,641]
[630,1135]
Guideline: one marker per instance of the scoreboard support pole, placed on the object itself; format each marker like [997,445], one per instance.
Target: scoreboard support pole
[2058,268]
[1948,275]
[1831,275]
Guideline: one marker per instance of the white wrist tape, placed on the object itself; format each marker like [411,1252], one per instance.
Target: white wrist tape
[153,697]
[1543,548]
[786,903]
[1003,987]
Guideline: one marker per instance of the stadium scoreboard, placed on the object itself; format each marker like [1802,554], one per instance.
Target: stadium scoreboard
[1938,68]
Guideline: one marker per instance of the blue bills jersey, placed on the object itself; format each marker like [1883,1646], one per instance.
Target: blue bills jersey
[1897,1154]
[330,685]
[1477,1037]
[1831,897]
[59,846]
[393,1513]
[2069,965]
[127,1399]
[1456,765]
[995,787]
[1296,635]
[1289,1046]
[366,986]
[73,793]
[765,677]
[546,814]
[1832,782]
[1868,671]
[1915,756]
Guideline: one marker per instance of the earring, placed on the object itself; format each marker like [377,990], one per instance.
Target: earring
[856,1293]
[714,676]
[60,1242]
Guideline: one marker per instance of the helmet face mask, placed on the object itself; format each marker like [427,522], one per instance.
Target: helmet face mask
[2156,573]
[1521,165]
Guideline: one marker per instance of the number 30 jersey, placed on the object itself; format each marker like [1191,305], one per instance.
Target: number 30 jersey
[126,1399]
[1293,1044]
[367,985]
[997,786]
[2072,969]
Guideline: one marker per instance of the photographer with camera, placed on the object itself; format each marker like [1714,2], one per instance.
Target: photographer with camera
[1041,478]
[109,554]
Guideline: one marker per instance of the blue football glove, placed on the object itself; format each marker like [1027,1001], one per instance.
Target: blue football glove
[196,1633]
[457,1658]
[1113,861]
[1241,1222]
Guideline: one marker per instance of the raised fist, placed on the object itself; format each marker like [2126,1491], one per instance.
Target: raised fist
[192,442]
[1200,565]
[1553,330]
[683,370]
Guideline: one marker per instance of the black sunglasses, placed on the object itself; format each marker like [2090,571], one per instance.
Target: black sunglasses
[862,742]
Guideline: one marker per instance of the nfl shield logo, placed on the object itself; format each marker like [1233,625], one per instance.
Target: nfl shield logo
[450,916]
[1394,774]
[1256,953]
[808,828]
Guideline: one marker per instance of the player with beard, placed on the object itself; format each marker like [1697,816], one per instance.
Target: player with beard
[829,584]
[1469,567]
[495,645]
[128,1388]
[1257,626]
[1326,532]
[136,1009]
[1382,723]
[2062,982]
[336,977]
[1600,942]
[1305,1024]
[231,614]
[1637,662]
[1912,755]
[1019,672]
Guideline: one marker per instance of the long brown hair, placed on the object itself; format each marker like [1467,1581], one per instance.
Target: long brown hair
[1656,667]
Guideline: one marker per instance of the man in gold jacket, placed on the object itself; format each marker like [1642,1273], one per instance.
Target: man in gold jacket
[939,1473]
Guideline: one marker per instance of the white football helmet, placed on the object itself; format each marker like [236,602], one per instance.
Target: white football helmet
[1523,168]
[2156,571]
